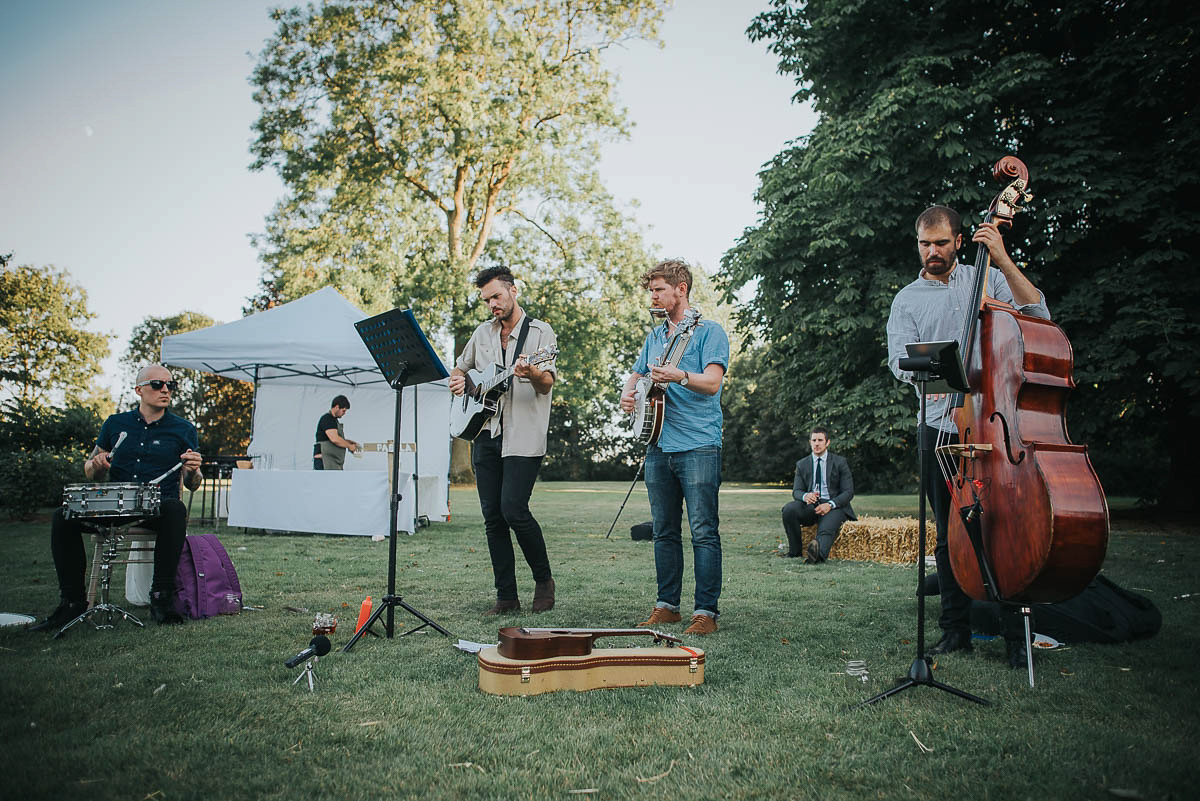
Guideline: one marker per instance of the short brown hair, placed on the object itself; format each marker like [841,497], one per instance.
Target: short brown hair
[486,276]
[673,271]
[939,214]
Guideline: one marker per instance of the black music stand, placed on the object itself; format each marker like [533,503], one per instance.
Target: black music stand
[405,357]
[936,369]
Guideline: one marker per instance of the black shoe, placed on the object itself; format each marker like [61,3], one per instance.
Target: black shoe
[162,611]
[64,614]
[1017,652]
[952,641]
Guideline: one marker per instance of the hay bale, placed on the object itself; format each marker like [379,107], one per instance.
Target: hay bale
[892,540]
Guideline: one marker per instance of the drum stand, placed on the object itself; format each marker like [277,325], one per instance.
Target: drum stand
[111,537]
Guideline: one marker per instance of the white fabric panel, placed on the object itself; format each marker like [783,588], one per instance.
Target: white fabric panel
[318,501]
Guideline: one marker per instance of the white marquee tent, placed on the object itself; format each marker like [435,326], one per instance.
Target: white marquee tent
[299,356]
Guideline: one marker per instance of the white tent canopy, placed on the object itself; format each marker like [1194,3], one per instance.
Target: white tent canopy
[299,355]
[300,342]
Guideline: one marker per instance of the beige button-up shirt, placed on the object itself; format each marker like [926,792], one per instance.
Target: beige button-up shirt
[524,414]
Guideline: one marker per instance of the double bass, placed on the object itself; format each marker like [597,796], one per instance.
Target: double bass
[1032,521]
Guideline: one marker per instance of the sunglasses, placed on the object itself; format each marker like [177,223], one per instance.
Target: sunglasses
[157,384]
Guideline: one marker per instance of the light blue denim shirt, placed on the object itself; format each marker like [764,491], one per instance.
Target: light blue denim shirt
[692,419]
[928,310]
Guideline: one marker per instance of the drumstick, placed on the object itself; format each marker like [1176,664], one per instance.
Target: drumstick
[169,472]
[120,439]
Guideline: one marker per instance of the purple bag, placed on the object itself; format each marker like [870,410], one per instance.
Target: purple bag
[206,584]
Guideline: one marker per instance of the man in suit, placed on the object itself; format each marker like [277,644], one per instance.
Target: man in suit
[822,491]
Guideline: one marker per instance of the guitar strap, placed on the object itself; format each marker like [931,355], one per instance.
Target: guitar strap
[520,345]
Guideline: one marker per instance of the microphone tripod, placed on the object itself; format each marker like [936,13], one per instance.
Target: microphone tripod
[636,475]
[920,672]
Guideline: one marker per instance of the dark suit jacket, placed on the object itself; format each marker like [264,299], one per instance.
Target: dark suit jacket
[837,476]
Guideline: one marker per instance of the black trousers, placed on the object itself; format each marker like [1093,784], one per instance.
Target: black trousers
[799,513]
[505,484]
[956,604]
[70,558]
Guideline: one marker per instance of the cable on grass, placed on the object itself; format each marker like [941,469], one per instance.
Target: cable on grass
[663,775]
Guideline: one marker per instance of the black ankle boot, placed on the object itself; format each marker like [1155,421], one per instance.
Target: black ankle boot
[162,609]
[64,614]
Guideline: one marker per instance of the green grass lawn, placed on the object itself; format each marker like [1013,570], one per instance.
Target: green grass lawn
[208,711]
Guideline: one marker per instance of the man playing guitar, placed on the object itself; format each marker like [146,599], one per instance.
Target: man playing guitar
[684,464]
[508,452]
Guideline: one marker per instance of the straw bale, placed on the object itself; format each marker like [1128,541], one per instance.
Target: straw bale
[890,540]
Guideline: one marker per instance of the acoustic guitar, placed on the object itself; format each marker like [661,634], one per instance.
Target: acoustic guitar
[481,400]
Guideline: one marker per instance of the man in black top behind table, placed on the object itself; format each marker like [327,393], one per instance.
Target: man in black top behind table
[155,441]
[329,453]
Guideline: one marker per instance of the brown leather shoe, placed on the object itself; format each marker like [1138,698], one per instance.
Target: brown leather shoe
[503,607]
[659,616]
[543,595]
[812,555]
[701,625]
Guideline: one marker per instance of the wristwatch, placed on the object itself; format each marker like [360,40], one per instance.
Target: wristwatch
[683,382]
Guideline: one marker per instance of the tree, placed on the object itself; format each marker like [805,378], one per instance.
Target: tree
[43,344]
[1091,98]
[221,408]
[420,140]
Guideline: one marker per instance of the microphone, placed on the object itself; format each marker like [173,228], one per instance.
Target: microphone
[318,646]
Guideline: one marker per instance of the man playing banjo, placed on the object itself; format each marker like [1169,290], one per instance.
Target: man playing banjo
[135,446]
[684,463]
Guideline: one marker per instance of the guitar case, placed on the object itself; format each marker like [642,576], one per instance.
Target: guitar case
[602,668]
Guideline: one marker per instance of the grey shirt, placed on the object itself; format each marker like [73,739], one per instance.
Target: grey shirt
[524,414]
[928,310]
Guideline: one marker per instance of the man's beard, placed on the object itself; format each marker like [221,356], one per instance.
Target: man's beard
[938,267]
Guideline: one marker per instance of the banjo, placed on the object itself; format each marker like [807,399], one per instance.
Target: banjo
[481,400]
[650,397]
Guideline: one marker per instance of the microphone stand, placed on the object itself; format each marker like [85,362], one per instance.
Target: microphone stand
[920,672]
[309,672]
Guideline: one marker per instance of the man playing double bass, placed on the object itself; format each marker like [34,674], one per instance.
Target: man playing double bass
[932,309]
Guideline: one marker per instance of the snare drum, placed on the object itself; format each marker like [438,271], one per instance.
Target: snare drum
[110,499]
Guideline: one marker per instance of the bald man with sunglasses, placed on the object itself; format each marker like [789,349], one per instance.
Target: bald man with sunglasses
[155,441]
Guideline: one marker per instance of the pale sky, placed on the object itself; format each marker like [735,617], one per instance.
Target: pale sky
[125,150]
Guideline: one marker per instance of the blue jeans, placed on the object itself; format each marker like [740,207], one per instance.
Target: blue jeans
[671,480]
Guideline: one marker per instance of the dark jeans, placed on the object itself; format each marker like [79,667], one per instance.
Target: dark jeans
[70,559]
[799,513]
[956,604]
[504,485]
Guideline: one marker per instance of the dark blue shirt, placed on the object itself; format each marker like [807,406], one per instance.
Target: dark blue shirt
[149,450]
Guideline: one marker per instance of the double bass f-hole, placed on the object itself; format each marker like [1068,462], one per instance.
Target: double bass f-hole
[1007,439]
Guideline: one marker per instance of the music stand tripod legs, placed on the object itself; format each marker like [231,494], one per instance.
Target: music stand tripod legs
[920,672]
[404,356]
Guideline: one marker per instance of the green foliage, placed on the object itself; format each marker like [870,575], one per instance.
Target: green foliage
[43,344]
[34,479]
[916,103]
[34,426]
[407,133]
[420,142]
[221,408]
